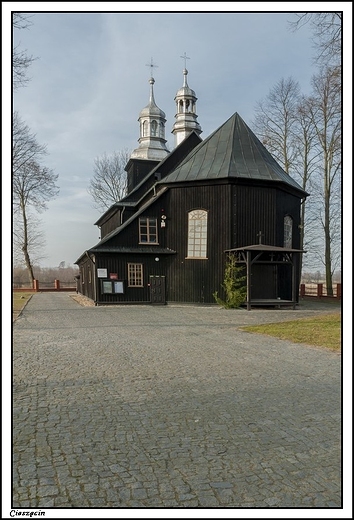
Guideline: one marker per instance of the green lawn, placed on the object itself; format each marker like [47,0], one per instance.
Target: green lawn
[321,331]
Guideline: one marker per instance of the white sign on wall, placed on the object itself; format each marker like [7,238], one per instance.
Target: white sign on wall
[118,287]
[102,273]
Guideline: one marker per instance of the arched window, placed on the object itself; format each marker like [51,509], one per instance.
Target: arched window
[153,128]
[162,129]
[288,231]
[144,129]
[197,233]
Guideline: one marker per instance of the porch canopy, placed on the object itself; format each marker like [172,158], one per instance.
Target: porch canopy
[270,256]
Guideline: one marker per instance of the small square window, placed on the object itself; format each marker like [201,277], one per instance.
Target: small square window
[148,230]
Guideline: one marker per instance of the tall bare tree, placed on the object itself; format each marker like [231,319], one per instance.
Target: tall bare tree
[109,183]
[33,185]
[305,165]
[28,231]
[281,124]
[327,34]
[276,120]
[20,59]
[325,111]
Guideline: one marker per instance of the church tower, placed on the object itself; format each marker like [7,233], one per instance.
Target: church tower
[152,143]
[186,116]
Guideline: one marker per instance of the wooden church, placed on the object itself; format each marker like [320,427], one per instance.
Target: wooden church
[186,210]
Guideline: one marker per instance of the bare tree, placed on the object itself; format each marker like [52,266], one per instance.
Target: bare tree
[325,111]
[276,120]
[109,183]
[28,231]
[33,185]
[25,147]
[305,165]
[327,34]
[20,59]
[282,126]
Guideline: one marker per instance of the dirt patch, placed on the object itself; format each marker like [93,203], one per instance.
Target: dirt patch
[82,300]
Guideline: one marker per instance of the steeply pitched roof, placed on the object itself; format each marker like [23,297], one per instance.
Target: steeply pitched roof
[232,151]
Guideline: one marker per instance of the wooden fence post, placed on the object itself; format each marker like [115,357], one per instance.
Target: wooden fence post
[302,290]
[57,285]
[320,290]
[35,285]
[339,291]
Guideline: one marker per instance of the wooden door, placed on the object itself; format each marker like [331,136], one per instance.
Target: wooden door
[157,290]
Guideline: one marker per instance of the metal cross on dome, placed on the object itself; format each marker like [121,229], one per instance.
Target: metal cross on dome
[260,234]
[185,58]
[152,65]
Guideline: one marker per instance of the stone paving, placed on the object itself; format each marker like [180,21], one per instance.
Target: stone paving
[170,407]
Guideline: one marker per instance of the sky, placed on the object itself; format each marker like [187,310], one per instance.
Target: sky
[90,79]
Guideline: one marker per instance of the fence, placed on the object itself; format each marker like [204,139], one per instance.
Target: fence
[314,290]
[319,290]
[39,286]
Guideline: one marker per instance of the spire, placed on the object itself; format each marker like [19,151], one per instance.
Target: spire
[152,142]
[186,117]
[152,81]
[152,99]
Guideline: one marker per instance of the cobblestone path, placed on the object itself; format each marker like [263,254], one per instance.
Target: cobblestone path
[143,406]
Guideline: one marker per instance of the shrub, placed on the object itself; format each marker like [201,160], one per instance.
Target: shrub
[234,285]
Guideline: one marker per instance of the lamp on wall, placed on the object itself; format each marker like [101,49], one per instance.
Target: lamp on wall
[157,259]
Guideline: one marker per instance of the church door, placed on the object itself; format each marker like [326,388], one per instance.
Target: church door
[157,290]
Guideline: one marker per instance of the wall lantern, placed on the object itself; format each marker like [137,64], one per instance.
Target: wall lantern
[157,259]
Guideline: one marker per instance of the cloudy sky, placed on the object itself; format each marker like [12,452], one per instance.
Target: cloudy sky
[90,82]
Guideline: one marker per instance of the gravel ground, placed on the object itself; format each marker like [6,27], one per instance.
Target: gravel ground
[171,407]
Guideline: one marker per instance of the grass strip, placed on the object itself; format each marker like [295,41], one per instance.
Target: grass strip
[321,331]
[19,300]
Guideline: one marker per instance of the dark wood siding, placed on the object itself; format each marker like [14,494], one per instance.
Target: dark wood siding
[87,278]
[129,236]
[112,223]
[118,264]
[288,204]
[136,170]
[195,280]
[253,210]
[236,213]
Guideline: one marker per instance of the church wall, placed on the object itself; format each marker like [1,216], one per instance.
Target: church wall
[236,214]
[253,211]
[195,280]
[136,171]
[288,204]
[111,224]
[117,266]
[86,281]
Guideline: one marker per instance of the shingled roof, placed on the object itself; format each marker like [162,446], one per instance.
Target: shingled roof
[232,151]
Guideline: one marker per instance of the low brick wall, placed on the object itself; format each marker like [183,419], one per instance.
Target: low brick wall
[318,291]
[45,287]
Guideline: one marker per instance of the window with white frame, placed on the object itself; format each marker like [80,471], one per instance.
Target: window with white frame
[288,231]
[148,230]
[197,233]
[135,275]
